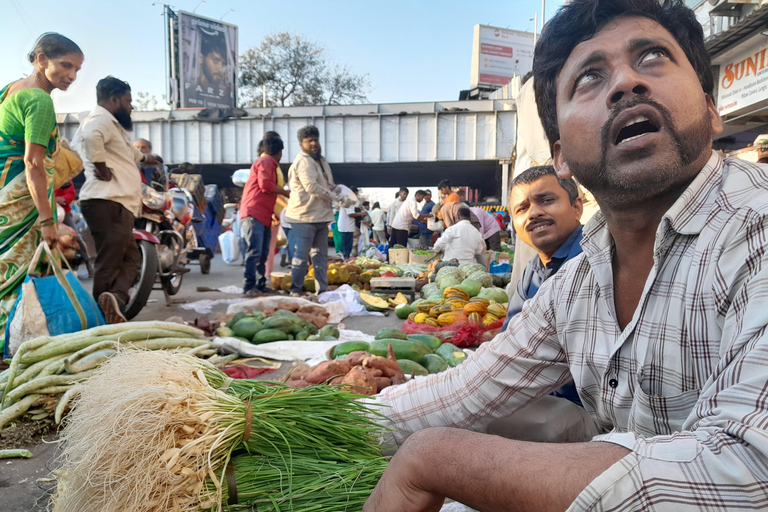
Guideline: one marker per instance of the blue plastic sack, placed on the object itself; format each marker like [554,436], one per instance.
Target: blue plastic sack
[65,304]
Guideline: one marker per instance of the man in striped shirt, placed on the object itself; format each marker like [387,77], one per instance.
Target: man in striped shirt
[660,322]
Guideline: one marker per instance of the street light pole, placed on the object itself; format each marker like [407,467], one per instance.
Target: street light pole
[535,28]
[543,13]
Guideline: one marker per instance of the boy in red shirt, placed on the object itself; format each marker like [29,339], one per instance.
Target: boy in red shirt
[258,202]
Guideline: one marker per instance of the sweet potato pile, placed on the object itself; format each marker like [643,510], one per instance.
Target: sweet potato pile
[362,372]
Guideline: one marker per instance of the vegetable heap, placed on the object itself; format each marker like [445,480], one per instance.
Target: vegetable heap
[47,370]
[155,431]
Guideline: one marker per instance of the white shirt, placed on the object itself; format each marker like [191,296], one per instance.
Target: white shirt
[104,140]
[346,224]
[392,211]
[408,212]
[682,386]
[378,219]
[283,221]
[461,241]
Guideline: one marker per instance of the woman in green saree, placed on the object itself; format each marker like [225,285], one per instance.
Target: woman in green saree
[28,145]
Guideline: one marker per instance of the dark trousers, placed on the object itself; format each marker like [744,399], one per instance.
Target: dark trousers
[257,237]
[346,243]
[399,237]
[493,242]
[310,240]
[117,255]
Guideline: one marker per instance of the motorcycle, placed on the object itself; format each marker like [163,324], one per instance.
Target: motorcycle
[165,235]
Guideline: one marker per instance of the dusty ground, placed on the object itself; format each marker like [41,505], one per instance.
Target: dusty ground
[25,484]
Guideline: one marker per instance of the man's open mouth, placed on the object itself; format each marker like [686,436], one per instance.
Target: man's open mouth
[635,128]
[538,226]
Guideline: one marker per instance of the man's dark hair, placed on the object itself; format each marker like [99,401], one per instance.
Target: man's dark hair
[308,131]
[421,192]
[186,167]
[366,203]
[535,173]
[428,192]
[272,146]
[582,19]
[111,87]
[270,135]
[443,184]
[376,205]
[210,43]
[464,213]
[353,189]
[53,45]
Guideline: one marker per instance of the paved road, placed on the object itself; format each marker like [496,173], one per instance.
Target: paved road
[24,484]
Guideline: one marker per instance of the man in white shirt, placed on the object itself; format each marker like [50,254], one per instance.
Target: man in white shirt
[111,196]
[379,223]
[462,241]
[400,198]
[346,226]
[407,213]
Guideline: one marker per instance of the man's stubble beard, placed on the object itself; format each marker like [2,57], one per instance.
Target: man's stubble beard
[612,188]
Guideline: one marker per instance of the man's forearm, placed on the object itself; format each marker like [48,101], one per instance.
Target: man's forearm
[491,473]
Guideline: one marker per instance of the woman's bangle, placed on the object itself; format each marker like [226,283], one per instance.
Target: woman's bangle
[46,222]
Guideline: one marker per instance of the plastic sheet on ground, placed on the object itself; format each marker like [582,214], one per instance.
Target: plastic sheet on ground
[349,299]
[336,310]
[311,352]
[460,334]
[205,306]
[231,289]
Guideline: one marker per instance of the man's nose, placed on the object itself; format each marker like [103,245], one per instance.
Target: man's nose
[626,83]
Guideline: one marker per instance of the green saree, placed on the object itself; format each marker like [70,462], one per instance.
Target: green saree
[26,116]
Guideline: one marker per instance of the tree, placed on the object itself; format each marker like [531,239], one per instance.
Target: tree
[144,102]
[296,72]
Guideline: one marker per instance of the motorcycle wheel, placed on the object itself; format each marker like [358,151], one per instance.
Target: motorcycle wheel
[205,263]
[172,284]
[145,280]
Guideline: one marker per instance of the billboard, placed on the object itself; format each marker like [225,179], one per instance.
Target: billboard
[207,65]
[499,54]
[744,79]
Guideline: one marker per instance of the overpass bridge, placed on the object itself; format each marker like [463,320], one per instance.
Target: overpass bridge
[377,145]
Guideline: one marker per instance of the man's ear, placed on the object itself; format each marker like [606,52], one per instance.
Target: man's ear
[558,161]
[578,208]
[717,122]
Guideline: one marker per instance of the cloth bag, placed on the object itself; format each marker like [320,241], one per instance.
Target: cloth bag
[49,305]
[230,247]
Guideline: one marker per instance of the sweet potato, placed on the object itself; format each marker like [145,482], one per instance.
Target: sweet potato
[289,306]
[315,310]
[327,370]
[318,321]
[297,383]
[360,380]
[382,382]
[387,367]
[356,358]
[337,380]
[300,371]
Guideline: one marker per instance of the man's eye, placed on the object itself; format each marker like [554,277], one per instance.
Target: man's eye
[586,78]
[653,55]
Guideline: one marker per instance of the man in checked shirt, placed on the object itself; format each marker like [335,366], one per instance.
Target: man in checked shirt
[660,322]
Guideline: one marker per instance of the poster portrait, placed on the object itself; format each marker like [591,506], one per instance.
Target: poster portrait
[207,62]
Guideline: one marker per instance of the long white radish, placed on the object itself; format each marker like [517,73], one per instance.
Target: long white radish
[9,414]
[64,401]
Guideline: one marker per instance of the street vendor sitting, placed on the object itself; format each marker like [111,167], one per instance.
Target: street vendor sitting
[660,322]
[461,241]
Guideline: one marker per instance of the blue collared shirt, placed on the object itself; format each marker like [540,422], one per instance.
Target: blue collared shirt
[425,210]
[534,275]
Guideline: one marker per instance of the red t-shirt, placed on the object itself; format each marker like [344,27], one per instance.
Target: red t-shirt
[258,196]
[68,194]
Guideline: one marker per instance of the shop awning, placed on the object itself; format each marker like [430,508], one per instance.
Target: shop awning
[755,22]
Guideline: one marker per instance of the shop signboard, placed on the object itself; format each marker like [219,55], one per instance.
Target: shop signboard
[207,52]
[499,54]
[743,79]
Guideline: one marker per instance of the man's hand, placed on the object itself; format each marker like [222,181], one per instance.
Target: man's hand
[102,172]
[400,489]
[149,159]
[61,201]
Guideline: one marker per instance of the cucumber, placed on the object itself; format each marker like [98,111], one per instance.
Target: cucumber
[267,335]
[390,334]
[452,354]
[348,347]
[411,367]
[434,363]
[404,349]
[432,342]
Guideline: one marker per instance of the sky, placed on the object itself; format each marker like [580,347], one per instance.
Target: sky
[412,50]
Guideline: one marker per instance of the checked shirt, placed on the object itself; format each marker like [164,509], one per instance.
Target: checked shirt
[684,386]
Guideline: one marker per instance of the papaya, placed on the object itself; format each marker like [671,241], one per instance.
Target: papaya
[258,315]
[390,334]
[434,363]
[373,303]
[279,322]
[432,342]
[411,367]
[348,347]
[302,335]
[452,354]
[238,316]
[225,332]
[329,330]
[313,337]
[247,327]
[267,335]
[404,349]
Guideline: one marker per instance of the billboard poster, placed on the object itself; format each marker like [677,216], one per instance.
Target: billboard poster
[207,62]
[499,54]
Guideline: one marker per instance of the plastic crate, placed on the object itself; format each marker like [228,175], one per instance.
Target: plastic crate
[214,198]
[193,183]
